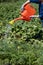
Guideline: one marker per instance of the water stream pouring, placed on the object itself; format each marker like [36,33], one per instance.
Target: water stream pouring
[25,14]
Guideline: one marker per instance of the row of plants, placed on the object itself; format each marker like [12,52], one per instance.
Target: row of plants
[22,42]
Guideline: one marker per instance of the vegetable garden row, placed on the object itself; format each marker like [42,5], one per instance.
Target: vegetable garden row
[22,42]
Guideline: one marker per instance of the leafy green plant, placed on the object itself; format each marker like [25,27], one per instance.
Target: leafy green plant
[22,43]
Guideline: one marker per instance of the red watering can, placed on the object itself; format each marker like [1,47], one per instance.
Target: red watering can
[25,14]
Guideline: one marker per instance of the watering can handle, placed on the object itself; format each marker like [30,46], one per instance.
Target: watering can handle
[35,16]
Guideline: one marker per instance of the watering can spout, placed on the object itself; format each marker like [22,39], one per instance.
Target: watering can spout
[19,18]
